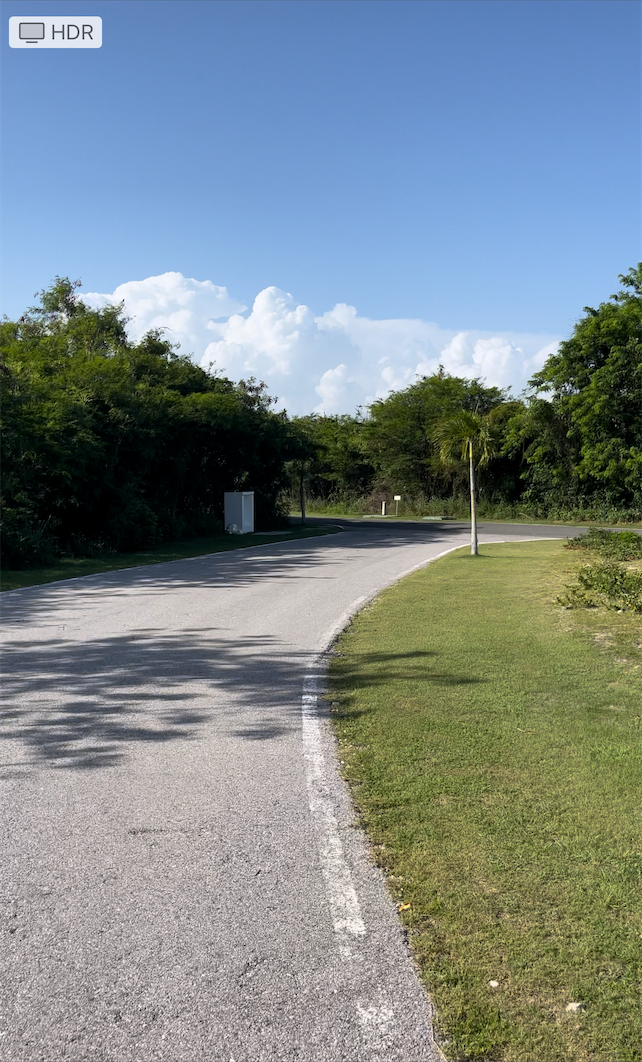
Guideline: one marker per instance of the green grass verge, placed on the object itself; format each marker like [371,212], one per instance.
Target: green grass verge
[491,741]
[196,547]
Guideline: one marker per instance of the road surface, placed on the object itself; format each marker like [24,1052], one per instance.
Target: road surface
[181,876]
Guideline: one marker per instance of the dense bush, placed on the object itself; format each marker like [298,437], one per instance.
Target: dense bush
[355,463]
[569,450]
[582,446]
[109,445]
[616,545]
[607,584]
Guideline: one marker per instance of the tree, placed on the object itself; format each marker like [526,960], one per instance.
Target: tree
[338,463]
[584,440]
[468,436]
[400,432]
[113,445]
[541,435]
[304,451]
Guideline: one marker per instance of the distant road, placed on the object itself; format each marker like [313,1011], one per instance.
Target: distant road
[486,528]
[180,877]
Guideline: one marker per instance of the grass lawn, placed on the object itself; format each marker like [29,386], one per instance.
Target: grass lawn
[195,547]
[491,741]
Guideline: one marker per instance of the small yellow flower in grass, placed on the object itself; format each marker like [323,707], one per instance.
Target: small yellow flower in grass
[404,906]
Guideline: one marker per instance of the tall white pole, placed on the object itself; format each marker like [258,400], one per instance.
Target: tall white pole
[473,503]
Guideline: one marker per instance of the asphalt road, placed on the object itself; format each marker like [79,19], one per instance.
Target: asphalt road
[181,876]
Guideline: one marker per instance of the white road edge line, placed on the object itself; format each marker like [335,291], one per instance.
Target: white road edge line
[344,902]
[344,905]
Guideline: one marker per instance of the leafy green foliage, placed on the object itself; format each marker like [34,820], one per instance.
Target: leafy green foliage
[464,435]
[109,445]
[400,433]
[394,449]
[587,440]
[608,584]
[336,460]
[616,545]
[572,449]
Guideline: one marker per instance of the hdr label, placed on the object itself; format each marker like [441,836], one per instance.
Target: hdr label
[49,31]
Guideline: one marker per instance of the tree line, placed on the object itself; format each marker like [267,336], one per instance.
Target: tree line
[570,447]
[113,445]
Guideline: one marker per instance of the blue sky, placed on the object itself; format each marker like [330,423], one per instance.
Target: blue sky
[378,186]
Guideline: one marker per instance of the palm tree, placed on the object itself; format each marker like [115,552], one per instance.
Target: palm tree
[466,435]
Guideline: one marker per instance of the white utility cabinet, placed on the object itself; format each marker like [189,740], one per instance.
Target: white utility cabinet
[239,512]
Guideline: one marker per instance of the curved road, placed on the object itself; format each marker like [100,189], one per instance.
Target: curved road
[181,877]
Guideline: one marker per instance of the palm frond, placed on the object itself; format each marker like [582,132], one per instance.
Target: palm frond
[455,435]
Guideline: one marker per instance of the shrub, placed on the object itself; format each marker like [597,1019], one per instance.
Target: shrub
[607,585]
[615,545]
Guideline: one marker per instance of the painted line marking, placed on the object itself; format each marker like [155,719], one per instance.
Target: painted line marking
[344,904]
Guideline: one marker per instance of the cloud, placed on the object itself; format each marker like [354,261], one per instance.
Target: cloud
[270,339]
[330,363]
[182,306]
[338,390]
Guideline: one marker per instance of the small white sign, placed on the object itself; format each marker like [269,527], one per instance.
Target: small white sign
[55,31]
[397,497]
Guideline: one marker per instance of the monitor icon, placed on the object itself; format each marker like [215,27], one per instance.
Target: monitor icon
[31,32]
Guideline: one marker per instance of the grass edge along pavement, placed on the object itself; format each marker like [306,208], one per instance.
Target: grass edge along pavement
[74,568]
[490,740]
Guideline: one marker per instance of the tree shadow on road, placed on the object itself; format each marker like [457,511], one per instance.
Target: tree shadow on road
[80,705]
[291,559]
[83,705]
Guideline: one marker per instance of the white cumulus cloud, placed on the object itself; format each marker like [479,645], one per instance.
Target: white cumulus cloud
[329,363]
[339,391]
[182,306]
[269,339]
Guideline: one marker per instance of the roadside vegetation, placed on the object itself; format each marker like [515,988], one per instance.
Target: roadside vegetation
[457,507]
[110,445]
[569,449]
[491,739]
[607,582]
